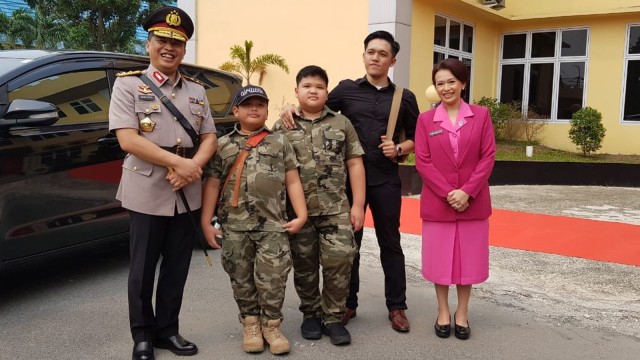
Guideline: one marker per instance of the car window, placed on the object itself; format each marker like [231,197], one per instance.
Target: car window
[219,87]
[81,97]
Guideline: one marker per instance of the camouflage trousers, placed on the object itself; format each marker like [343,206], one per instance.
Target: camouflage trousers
[325,241]
[258,263]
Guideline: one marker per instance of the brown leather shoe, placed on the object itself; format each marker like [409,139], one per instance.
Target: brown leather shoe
[348,315]
[399,320]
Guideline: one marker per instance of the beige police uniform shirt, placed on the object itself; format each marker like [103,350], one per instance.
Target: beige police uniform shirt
[143,187]
[322,146]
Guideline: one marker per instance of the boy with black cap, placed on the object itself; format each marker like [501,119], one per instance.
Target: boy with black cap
[165,159]
[260,170]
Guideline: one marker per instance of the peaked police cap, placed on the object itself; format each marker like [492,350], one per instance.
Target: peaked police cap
[169,22]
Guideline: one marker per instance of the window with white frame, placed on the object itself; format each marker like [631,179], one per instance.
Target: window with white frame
[453,39]
[544,71]
[631,94]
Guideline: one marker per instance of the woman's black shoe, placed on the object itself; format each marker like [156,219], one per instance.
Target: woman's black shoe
[443,331]
[461,332]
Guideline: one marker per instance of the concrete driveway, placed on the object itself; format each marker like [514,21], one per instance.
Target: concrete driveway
[534,306]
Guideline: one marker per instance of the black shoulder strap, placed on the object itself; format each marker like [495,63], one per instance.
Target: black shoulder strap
[173,109]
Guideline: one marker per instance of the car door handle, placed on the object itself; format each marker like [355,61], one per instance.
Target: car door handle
[108,141]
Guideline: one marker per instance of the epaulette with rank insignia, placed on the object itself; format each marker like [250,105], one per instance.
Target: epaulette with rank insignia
[129,73]
[193,80]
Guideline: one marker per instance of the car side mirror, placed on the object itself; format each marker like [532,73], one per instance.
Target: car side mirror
[24,112]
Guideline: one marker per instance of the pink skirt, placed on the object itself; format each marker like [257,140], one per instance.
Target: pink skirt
[455,252]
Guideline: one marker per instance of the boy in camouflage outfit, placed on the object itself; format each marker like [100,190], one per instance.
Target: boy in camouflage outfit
[255,251]
[327,147]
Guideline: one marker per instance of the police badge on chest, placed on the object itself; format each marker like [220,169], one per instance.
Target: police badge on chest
[147,125]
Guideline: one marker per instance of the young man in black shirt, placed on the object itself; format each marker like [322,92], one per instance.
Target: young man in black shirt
[367,103]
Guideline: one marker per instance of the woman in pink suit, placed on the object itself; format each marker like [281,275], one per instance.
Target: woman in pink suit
[455,151]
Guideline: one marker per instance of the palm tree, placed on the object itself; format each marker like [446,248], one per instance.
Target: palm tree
[22,27]
[49,31]
[241,62]
[4,30]
[33,31]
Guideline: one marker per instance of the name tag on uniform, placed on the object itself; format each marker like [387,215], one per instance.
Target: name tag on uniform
[146,97]
[435,132]
[196,101]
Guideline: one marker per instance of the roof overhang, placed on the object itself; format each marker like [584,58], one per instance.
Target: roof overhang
[543,9]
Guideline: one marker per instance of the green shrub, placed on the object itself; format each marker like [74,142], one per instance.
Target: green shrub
[499,114]
[586,130]
[509,123]
[533,124]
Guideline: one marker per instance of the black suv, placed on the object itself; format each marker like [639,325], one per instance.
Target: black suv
[59,166]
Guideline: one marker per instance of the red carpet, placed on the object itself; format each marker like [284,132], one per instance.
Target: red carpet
[589,239]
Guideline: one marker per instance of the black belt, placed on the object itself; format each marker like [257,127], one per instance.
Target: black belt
[181,151]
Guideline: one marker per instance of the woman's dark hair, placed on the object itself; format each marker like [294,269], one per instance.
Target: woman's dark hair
[457,68]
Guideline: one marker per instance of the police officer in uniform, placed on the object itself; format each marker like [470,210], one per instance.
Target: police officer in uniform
[162,160]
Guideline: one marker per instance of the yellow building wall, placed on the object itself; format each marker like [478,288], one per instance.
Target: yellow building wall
[605,79]
[487,44]
[330,34]
[326,33]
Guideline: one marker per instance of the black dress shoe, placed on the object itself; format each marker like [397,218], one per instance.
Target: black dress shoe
[443,331]
[338,334]
[461,332]
[311,328]
[143,351]
[177,345]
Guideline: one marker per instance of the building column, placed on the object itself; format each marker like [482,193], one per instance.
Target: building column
[189,6]
[394,16]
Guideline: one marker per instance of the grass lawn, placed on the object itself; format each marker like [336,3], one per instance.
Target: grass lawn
[515,151]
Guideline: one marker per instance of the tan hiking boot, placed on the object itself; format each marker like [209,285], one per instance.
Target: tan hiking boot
[252,335]
[278,344]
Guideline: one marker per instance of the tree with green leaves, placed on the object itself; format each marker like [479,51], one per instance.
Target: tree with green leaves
[46,31]
[21,27]
[242,63]
[5,37]
[32,30]
[107,25]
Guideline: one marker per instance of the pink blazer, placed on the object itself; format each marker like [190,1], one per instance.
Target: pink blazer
[441,173]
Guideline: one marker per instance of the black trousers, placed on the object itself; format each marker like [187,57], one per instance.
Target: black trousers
[152,236]
[384,201]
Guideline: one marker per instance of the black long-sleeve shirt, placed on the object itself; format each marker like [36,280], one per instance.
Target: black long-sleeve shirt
[368,109]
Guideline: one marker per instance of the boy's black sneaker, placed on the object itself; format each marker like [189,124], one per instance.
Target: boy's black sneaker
[338,334]
[311,328]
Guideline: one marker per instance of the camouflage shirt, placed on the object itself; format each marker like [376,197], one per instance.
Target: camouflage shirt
[322,146]
[262,195]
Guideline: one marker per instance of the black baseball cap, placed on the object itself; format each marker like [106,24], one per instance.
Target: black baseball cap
[249,91]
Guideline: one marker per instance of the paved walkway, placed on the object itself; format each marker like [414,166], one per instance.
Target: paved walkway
[534,306]
[615,238]
[562,289]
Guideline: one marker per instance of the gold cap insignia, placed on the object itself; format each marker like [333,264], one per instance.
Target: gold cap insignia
[169,22]
[173,18]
